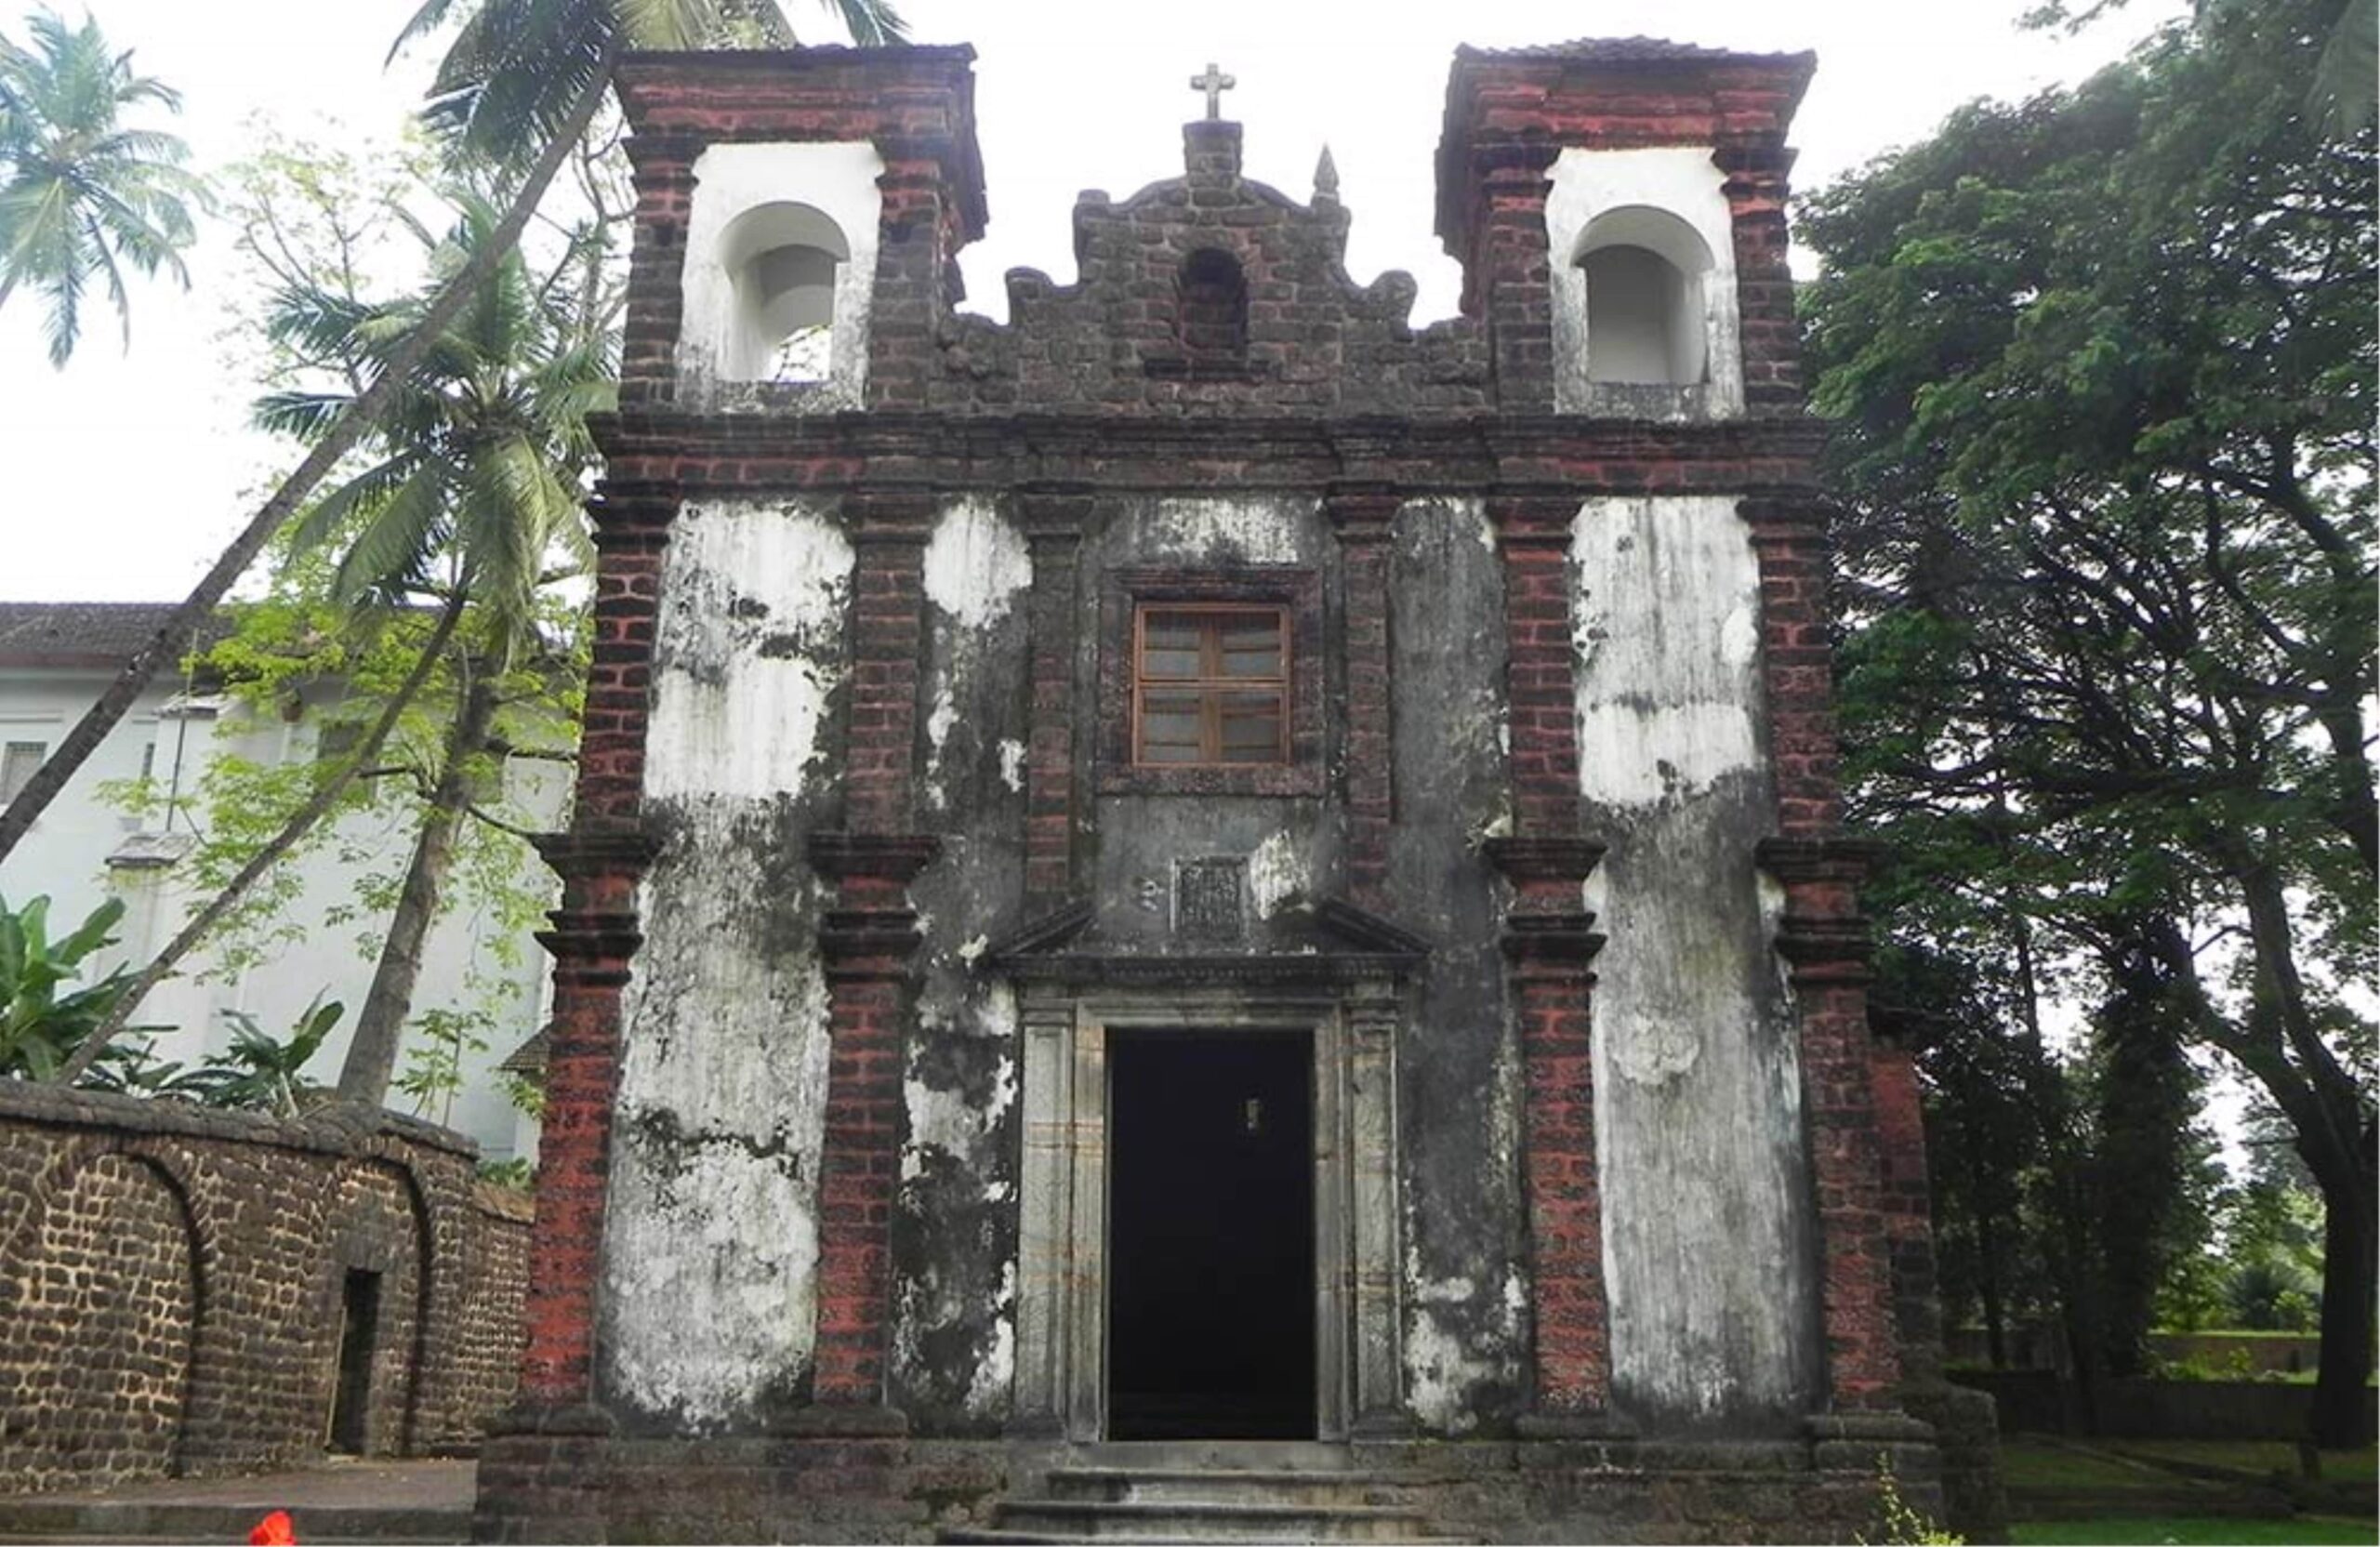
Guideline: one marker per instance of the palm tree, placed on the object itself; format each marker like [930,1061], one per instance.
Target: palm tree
[81,195]
[520,76]
[471,506]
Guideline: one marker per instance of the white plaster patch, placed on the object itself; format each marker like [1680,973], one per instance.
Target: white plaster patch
[1680,181]
[747,648]
[1442,1371]
[1668,686]
[975,563]
[838,181]
[987,1393]
[1276,872]
[1250,530]
[1698,1109]
[711,1234]
[1013,764]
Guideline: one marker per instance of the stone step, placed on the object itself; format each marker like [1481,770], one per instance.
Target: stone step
[1224,1485]
[108,1520]
[991,1535]
[1230,1455]
[1207,1520]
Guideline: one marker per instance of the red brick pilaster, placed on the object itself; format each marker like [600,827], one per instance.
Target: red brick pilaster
[595,933]
[631,538]
[593,937]
[1362,517]
[1533,534]
[1756,192]
[912,287]
[1908,1201]
[1550,943]
[1518,290]
[887,533]
[1054,525]
[1789,541]
[867,942]
[665,190]
[1825,941]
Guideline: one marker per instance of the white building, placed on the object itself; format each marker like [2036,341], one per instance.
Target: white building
[55,660]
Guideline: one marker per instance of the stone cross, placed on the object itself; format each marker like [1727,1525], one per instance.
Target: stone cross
[1215,83]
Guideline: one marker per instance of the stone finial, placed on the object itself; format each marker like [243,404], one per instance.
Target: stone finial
[1326,176]
[1215,83]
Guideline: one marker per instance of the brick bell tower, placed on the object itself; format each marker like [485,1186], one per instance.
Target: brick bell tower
[1207,672]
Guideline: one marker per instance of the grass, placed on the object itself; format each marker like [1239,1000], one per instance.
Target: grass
[2260,1457]
[2314,1530]
[2046,1466]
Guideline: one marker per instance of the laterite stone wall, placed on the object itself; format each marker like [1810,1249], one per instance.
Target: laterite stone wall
[172,1283]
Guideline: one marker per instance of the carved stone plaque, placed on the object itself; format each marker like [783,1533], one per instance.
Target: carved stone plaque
[1206,900]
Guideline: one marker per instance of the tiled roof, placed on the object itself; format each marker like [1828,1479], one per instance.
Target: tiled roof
[1618,50]
[79,633]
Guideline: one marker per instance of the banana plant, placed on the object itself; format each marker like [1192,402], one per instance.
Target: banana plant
[44,1017]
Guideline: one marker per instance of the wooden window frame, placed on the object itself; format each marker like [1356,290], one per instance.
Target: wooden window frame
[1126,594]
[1212,685]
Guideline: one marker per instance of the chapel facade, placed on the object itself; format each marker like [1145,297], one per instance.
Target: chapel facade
[1208,877]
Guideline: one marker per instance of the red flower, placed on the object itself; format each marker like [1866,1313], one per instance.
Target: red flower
[273,1531]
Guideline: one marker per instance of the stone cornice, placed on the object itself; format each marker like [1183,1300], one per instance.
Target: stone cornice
[1522,858]
[597,851]
[895,857]
[1792,860]
[653,448]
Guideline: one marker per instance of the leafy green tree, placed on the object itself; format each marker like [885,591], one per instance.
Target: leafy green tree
[82,193]
[2102,367]
[520,83]
[472,505]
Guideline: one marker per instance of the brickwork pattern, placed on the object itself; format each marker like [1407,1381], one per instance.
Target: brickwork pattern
[1363,521]
[96,1356]
[171,1283]
[1095,393]
[860,1167]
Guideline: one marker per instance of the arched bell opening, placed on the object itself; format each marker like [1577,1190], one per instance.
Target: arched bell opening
[782,261]
[1646,321]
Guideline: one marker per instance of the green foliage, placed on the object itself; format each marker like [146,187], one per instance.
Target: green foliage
[267,1072]
[433,1074]
[513,70]
[82,193]
[2101,366]
[44,1017]
[2304,1531]
[1898,1522]
[519,1172]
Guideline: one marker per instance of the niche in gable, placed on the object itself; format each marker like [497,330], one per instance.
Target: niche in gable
[1644,286]
[779,277]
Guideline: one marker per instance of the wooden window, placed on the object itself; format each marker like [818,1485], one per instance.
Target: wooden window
[1210,686]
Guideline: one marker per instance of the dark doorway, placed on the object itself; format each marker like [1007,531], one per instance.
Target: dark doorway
[352,1406]
[1210,1236]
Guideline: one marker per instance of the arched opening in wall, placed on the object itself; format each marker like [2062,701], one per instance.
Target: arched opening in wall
[104,1310]
[782,260]
[1646,322]
[1210,307]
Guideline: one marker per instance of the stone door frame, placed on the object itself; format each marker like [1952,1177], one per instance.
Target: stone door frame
[1061,1382]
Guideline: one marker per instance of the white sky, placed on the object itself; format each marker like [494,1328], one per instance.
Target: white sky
[126,473]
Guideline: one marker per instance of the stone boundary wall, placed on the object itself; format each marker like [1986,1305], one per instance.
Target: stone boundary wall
[175,1285]
[2035,1399]
[563,1485]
